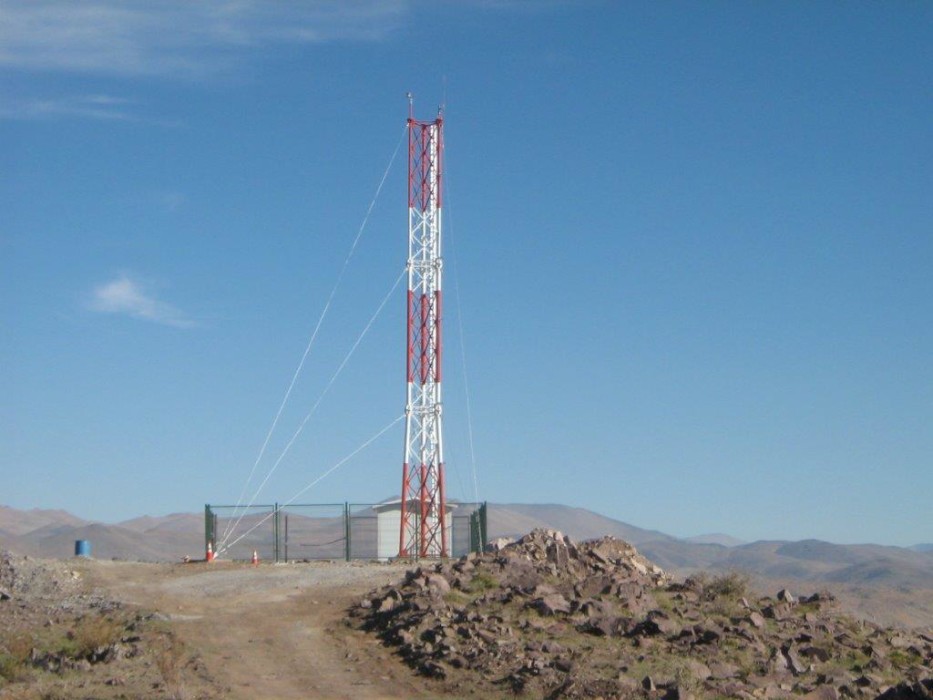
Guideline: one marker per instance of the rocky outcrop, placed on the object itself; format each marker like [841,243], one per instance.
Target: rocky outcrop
[554,618]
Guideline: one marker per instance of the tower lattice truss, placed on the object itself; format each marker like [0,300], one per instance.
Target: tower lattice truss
[423,532]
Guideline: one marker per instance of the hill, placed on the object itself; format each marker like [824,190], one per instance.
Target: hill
[517,519]
[15,522]
[806,560]
[547,617]
[716,538]
[52,533]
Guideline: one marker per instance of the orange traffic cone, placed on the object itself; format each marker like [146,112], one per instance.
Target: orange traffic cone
[210,552]
[255,559]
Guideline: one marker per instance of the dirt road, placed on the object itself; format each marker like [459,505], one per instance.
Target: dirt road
[272,631]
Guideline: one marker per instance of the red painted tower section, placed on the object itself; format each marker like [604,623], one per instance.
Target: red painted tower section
[423,528]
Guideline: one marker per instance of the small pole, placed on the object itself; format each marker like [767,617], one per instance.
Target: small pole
[208,526]
[482,526]
[275,532]
[346,523]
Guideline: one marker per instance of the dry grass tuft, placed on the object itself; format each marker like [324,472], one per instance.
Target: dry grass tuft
[14,656]
[91,634]
[171,658]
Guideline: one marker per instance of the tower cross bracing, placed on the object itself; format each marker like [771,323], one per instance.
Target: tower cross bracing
[423,509]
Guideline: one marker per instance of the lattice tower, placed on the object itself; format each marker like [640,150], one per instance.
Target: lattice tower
[423,510]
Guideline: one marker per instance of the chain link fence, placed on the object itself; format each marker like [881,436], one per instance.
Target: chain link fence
[312,531]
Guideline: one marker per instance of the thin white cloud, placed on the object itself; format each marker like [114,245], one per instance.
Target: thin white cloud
[102,107]
[128,297]
[186,38]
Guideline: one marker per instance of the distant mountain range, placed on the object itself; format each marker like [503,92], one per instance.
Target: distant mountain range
[807,560]
[52,534]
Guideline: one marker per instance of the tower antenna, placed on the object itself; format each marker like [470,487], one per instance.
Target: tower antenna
[423,529]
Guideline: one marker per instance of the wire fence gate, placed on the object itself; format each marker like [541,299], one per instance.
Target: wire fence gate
[314,531]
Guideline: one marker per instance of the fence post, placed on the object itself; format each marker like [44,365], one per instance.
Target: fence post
[483,531]
[275,531]
[478,529]
[346,525]
[208,526]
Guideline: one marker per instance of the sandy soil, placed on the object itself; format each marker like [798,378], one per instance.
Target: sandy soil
[272,631]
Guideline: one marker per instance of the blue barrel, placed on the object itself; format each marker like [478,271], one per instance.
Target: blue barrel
[82,548]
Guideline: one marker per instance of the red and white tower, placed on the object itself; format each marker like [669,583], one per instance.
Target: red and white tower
[422,532]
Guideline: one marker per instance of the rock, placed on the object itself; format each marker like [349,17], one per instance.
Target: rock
[922,690]
[552,604]
[563,665]
[720,670]
[785,596]
[698,670]
[796,666]
[388,603]
[437,583]
[899,642]
[757,620]
[818,653]
[498,544]
[706,635]
[867,681]
[464,566]
[543,589]
[605,626]
[662,623]
[487,636]
[596,608]
[777,664]
[593,585]
[819,598]
[433,669]
[557,554]
[776,612]
[648,684]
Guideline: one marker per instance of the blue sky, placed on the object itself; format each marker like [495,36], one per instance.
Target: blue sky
[690,244]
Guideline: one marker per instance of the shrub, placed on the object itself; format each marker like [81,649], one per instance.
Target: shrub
[14,656]
[91,634]
[483,582]
[730,586]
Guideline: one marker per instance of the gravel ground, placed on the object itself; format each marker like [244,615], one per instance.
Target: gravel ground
[229,579]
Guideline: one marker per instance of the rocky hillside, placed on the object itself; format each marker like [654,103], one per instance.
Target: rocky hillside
[893,585]
[61,639]
[551,618]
